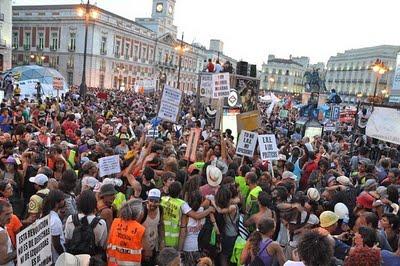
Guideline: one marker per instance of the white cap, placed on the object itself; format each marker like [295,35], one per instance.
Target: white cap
[113,181]
[89,181]
[39,179]
[67,259]
[154,194]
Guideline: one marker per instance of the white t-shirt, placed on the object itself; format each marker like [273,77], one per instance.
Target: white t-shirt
[192,233]
[100,231]
[185,208]
[293,263]
[56,229]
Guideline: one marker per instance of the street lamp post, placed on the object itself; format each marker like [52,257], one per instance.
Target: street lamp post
[181,50]
[87,11]
[379,68]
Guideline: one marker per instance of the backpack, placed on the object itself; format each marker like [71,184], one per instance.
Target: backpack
[83,240]
[257,261]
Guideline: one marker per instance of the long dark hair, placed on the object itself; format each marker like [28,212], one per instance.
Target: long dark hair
[49,203]
[264,226]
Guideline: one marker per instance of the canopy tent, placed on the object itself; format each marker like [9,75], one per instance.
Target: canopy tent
[28,76]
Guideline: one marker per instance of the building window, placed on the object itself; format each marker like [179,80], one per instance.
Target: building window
[72,41]
[144,53]
[135,52]
[40,40]
[70,78]
[27,41]
[117,47]
[15,40]
[103,65]
[103,46]
[54,41]
[70,63]
[127,49]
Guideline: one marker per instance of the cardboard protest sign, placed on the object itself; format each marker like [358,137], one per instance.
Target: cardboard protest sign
[268,148]
[206,87]
[34,244]
[247,143]
[220,85]
[170,103]
[58,83]
[190,154]
[248,121]
[109,165]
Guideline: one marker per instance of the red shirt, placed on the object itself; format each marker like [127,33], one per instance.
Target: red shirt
[308,168]
[210,67]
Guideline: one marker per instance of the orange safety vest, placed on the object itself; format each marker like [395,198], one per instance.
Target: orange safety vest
[125,243]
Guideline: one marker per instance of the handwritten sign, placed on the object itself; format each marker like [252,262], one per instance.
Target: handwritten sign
[58,83]
[206,82]
[169,106]
[247,143]
[109,165]
[34,244]
[220,85]
[268,149]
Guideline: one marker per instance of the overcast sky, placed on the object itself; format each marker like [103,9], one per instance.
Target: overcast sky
[252,29]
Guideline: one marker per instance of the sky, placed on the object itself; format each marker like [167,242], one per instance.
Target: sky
[253,29]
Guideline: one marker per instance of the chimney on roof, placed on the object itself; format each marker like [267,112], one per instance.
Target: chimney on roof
[290,57]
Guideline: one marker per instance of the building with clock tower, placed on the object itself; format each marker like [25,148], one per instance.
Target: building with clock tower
[162,18]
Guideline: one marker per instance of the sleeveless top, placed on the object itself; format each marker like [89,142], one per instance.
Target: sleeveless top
[264,256]
[9,248]
[231,228]
[150,238]
[297,169]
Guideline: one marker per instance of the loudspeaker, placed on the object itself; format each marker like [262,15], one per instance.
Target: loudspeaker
[253,71]
[241,68]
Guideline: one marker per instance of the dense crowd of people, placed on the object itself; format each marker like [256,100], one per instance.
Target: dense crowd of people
[321,203]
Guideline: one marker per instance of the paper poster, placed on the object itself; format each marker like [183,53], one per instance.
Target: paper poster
[247,143]
[206,87]
[220,85]
[268,148]
[170,103]
[34,244]
[109,165]
[384,124]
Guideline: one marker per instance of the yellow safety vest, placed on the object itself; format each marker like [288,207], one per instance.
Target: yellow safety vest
[172,219]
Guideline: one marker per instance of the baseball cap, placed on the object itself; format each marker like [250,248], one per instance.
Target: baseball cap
[281,157]
[370,183]
[328,218]
[39,179]
[154,194]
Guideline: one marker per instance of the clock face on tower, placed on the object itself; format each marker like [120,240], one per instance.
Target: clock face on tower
[159,7]
[170,10]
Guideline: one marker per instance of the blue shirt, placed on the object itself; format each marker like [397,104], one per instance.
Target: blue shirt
[6,127]
[389,258]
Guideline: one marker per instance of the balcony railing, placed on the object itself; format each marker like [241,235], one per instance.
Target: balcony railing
[27,47]
[1,16]
[103,52]
[39,48]
[117,55]
[126,57]
[53,48]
